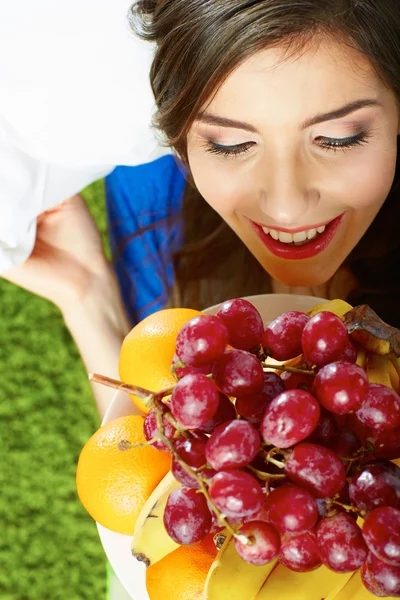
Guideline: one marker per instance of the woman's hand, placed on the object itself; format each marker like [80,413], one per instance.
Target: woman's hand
[67,256]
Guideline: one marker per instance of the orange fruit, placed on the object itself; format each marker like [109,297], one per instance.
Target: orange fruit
[148,350]
[182,574]
[113,483]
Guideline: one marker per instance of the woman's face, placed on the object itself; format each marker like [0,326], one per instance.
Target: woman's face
[297,156]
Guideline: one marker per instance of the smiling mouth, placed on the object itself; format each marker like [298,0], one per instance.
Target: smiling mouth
[298,238]
[298,245]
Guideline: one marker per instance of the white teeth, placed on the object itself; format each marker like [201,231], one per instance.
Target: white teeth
[300,236]
[285,238]
[289,238]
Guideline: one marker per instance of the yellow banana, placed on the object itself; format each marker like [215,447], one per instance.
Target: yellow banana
[338,307]
[150,541]
[361,357]
[394,365]
[284,584]
[231,578]
[394,377]
[355,590]
[377,369]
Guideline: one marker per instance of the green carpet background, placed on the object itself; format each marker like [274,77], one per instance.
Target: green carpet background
[49,547]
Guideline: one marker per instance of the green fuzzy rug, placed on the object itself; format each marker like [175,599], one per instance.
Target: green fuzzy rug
[49,547]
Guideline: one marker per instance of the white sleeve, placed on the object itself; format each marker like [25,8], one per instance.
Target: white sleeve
[28,187]
[22,180]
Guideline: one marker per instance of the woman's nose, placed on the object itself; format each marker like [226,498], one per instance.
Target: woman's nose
[287,194]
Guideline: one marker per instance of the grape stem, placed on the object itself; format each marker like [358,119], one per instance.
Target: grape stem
[265,476]
[140,392]
[270,459]
[283,367]
[179,430]
[125,445]
[347,507]
[161,434]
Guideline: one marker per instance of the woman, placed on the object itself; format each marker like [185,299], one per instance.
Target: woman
[286,116]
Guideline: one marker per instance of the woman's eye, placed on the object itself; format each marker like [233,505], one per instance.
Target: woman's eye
[342,143]
[235,150]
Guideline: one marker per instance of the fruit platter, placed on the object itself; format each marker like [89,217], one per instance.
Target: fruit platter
[255,455]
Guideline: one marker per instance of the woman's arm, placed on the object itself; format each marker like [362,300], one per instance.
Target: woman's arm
[69,268]
[98,325]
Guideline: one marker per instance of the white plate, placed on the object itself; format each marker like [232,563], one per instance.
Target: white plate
[130,572]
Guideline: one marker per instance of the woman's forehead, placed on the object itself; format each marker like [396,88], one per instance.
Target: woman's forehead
[320,76]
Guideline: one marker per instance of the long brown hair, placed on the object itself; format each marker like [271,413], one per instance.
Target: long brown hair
[199,43]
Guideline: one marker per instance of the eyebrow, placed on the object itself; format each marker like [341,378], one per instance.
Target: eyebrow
[340,112]
[210,119]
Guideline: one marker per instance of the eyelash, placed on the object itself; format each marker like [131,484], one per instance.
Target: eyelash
[230,151]
[344,143]
[326,144]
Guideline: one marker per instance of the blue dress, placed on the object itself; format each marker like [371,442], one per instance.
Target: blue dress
[143,211]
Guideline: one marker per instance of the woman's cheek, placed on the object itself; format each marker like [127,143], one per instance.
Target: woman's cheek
[221,188]
[367,181]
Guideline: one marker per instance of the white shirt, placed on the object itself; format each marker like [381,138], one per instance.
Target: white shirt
[75,101]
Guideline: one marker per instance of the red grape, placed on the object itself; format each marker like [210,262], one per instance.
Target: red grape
[386,443]
[300,552]
[291,509]
[185,478]
[381,408]
[368,582]
[238,373]
[317,469]
[344,443]
[264,543]
[260,515]
[243,322]
[385,577]
[187,518]
[252,407]
[324,339]
[282,337]
[201,340]
[150,430]
[291,417]
[350,353]
[236,494]
[381,532]
[341,544]
[325,429]
[225,412]
[233,444]
[192,450]
[354,425]
[341,387]
[180,371]
[378,484]
[194,401]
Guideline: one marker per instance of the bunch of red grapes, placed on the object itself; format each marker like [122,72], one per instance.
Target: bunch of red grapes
[290,461]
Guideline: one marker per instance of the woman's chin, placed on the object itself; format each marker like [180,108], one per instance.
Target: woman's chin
[301,276]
